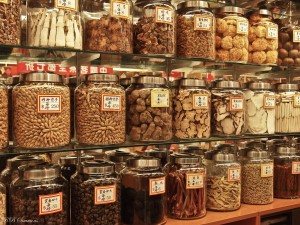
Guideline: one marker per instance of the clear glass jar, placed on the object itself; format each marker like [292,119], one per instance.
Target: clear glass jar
[195,30]
[4,117]
[228,109]
[260,113]
[150,110]
[2,204]
[223,180]
[186,187]
[231,35]
[192,110]
[95,194]
[143,192]
[33,191]
[159,153]
[257,176]
[119,157]
[108,25]
[287,108]
[100,110]
[286,172]
[154,28]
[41,106]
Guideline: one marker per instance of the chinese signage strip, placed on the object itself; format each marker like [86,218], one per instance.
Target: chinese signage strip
[234,174]
[267,170]
[194,180]
[160,98]
[105,194]
[157,186]
[49,104]
[203,22]
[49,204]
[200,101]
[120,9]
[67,4]
[111,102]
[164,15]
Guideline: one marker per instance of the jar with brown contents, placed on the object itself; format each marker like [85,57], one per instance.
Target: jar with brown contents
[41,106]
[4,135]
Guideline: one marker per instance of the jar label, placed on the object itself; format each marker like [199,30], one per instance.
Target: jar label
[49,103]
[296,101]
[295,167]
[66,4]
[296,36]
[163,15]
[272,32]
[160,98]
[49,204]
[120,9]
[269,102]
[111,103]
[234,174]
[200,101]
[236,104]
[202,22]
[194,180]
[157,186]
[242,27]
[4,1]
[266,170]
[105,194]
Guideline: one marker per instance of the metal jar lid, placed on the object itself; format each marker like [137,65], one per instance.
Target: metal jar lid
[263,12]
[288,87]
[188,82]
[98,167]
[143,162]
[194,150]
[231,9]
[253,153]
[21,160]
[119,156]
[41,77]
[40,172]
[125,81]
[100,77]
[285,150]
[185,158]
[224,157]
[72,159]
[260,86]
[151,80]
[227,84]
[193,3]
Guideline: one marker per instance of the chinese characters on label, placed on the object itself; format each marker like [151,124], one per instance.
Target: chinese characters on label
[296,36]
[66,4]
[163,15]
[202,22]
[105,194]
[236,103]
[242,27]
[269,102]
[157,186]
[296,100]
[49,103]
[295,167]
[200,101]
[267,170]
[120,9]
[49,204]
[111,102]
[160,98]
[272,32]
[194,180]
[234,174]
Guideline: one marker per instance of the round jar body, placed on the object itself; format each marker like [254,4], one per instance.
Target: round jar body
[4,117]
[192,108]
[2,205]
[154,28]
[100,111]
[108,26]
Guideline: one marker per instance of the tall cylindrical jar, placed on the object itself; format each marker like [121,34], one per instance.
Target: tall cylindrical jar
[154,27]
[3,214]
[108,25]
[260,104]
[100,110]
[186,187]
[150,110]
[119,157]
[231,35]
[192,110]
[95,194]
[143,192]
[41,107]
[4,110]
[287,108]
[228,109]
[195,30]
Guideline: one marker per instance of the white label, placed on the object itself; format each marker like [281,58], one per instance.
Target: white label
[49,204]
[269,102]
[242,27]
[111,102]
[163,15]
[267,170]
[202,22]
[4,1]
[194,180]
[296,101]
[66,4]
[272,32]
[200,101]
[160,98]
[295,167]
[234,174]
[120,9]
[105,194]
[296,36]
[236,103]
[157,186]
[49,103]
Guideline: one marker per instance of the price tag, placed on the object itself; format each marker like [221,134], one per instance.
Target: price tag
[202,22]
[242,27]
[296,101]
[272,32]
[105,194]
[49,204]
[269,102]
[194,180]
[163,15]
[295,167]
[160,98]
[120,9]
[200,101]
[49,103]
[296,36]
[157,186]
[234,174]
[111,103]
[67,4]
[266,170]
[4,1]
[236,104]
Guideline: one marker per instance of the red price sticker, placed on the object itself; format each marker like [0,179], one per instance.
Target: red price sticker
[111,103]
[242,27]
[202,22]
[49,204]
[236,104]
[295,167]
[120,9]
[296,36]
[157,186]
[164,15]
[269,102]
[200,101]
[105,194]
[194,180]
[49,103]
[66,4]
[234,174]
[272,32]
[266,170]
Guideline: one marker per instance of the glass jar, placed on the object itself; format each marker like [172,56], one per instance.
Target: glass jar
[263,37]
[41,106]
[260,113]
[192,110]
[4,116]
[257,176]
[223,180]
[228,109]
[33,191]
[143,192]
[159,153]
[287,108]
[108,25]
[154,28]
[95,194]
[195,30]
[231,35]
[286,172]
[186,187]
[100,110]
[150,110]
[119,157]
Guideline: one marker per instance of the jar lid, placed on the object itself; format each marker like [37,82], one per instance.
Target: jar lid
[143,162]
[188,82]
[100,77]
[193,3]
[185,158]
[288,87]
[125,81]
[227,84]
[231,9]
[151,80]
[157,153]
[152,73]
[285,150]
[194,150]
[12,80]
[263,12]
[254,153]
[21,160]
[99,167]
[256,145]
[40,172]
[260,86]
[72,159]
[224,153]
[41,77]
[119,156]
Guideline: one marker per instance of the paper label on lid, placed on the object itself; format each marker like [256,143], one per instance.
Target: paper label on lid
[160,98]
[66,4]
[269,102]
[49,103]
[163,15]
[105,194]
[234,173]
[202,22]
[242,27]
[295,167]
[296,101]
[120,9]
[296,36]
[236,104]
[111,103]
[49,204]
[194,180]
[200,101]
[157,186]
[266,170]
[272,32]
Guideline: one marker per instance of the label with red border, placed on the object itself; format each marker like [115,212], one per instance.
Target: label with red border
[163,15]
[157,186]
[66,4]
[234,173]
[49,204]
[111,103]
[194,180]
[295,167]
[242,27]
[269,102]
[200,101]
[202,22]
[105,194]
[296,36]
[49,103]
[266,170]
[272,32]
[236,104]
[120,9]
[296,101]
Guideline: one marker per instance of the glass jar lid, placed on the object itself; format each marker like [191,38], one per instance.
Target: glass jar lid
[185,158]
[41,77]
[151,80]
[227,84]
[194,150]
[40,172]
[125,81]
[72,159]
[143,162]
[254,153]
[192,3]
[285,150]
[224,153]
[287,87]
[157,153]
[21,160]
[231,9]
[100,77]
[98,167]
[260,86]
[119,156]
[188,82]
